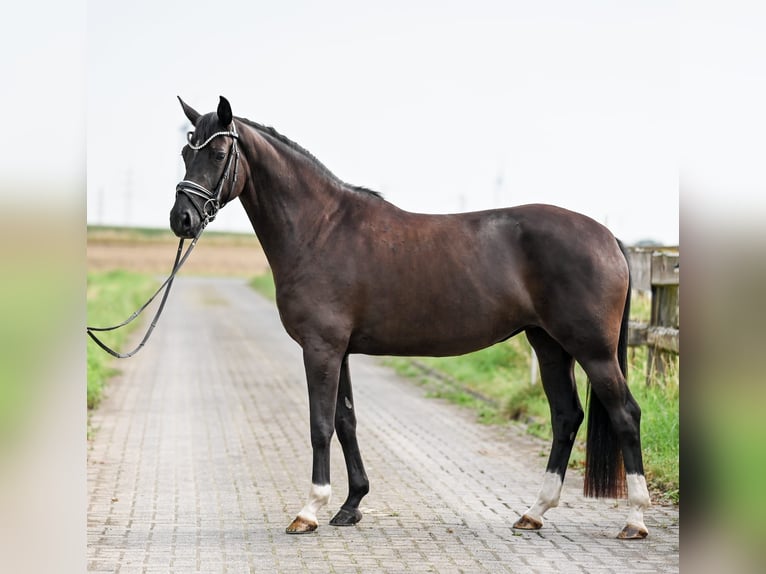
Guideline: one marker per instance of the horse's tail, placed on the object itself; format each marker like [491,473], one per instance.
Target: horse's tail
[604,468]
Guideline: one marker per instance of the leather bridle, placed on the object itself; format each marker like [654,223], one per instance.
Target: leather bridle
[212,200]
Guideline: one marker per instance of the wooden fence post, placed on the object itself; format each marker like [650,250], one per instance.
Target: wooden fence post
[662,335]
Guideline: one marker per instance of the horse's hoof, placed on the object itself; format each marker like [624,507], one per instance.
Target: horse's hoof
[346,517]
[632,532]
[301,526]
[528,523]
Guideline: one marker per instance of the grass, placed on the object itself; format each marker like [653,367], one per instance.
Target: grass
[660,430]
[36,309]
[729,431]
[264,284]
[111,298]
[640,306]
[496,383]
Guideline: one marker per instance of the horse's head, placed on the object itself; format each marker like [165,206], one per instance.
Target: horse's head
[212,162]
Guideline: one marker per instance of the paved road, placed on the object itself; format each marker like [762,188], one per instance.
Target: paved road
[200,457]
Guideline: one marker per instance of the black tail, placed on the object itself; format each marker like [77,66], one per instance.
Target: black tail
[604,468]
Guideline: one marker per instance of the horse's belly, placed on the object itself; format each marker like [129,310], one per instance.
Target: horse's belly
[442,333]
[418,349]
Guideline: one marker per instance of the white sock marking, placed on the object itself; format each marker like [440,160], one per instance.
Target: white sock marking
[548,497]
[638,500]
[318,498]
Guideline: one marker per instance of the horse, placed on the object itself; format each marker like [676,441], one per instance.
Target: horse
[356,274]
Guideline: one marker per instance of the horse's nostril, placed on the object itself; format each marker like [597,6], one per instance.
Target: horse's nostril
[182,221]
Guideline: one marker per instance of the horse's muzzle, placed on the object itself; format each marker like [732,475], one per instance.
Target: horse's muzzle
[184,218]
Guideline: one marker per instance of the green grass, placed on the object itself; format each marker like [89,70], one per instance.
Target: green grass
[111,298]
[640,306]
[264,284]
[729,432]
[495,383]
[36,312]
[660,431]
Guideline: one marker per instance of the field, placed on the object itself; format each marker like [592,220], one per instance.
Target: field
[153,251]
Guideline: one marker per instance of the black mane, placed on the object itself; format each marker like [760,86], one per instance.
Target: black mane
[269,131]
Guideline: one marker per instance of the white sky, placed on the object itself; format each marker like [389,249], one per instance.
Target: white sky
[442,106]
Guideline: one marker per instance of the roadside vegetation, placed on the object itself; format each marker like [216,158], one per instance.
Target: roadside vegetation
[111,298]
[264,284]
[497,384]
[36,295]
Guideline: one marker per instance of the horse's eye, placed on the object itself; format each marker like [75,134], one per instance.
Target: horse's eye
[189,136]
[220,156]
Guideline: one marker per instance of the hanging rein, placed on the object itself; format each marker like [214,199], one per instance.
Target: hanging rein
[212,203]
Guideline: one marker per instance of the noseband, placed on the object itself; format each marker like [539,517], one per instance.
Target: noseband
[212,199]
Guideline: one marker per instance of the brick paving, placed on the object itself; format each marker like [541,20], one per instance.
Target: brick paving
[200,457]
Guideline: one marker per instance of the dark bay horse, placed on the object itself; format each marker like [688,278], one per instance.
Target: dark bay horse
[355,274]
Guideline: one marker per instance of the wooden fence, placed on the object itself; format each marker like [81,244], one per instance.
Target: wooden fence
[656,270]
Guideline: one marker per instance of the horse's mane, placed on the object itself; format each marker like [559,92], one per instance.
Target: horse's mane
[269,131]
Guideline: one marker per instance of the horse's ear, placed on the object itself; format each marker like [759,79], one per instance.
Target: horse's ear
[189,112]
[224,111]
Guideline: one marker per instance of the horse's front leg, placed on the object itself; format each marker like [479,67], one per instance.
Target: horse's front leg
[345,425]
[322,375]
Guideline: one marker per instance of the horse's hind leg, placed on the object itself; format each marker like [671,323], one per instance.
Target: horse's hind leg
[557,372]
[611,396]
[345,426]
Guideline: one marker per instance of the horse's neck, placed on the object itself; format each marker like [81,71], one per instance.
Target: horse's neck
[289,202]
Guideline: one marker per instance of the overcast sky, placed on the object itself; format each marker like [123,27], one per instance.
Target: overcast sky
[441,106]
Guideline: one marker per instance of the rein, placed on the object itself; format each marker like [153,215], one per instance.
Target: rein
[207,214]
[180,260]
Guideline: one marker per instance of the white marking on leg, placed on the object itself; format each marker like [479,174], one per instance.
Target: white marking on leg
[318,498]
[349,406]
[638,500]
[547,498]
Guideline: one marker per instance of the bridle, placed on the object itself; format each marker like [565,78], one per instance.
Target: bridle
[208,211]
[212,199]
